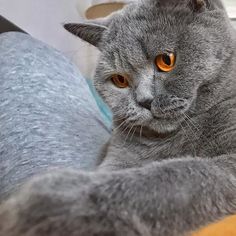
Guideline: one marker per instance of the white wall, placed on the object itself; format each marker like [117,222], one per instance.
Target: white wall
[231,7]
[43,19]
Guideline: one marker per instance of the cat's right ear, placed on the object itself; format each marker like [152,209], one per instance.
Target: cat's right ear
[90,32]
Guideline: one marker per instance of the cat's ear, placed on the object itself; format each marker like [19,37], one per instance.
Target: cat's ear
[91,31]
[201,5]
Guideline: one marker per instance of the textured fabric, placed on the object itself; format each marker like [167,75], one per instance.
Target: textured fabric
[105,110]
[48,117]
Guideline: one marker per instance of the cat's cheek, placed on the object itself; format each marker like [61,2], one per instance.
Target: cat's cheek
[117,97]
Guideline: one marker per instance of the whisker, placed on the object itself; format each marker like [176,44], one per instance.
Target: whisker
[186,135]
[123,131]
[186,121]
[212,144]
[133,133]
[140,134]
[116,120]
[118,127]
[126,138]
[191,121]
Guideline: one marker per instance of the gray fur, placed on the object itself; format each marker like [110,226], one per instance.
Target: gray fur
[165,172]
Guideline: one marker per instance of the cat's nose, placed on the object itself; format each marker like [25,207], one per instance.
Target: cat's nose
[144,95]
[146,103]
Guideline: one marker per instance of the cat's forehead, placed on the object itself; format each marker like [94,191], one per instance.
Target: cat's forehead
[143,33]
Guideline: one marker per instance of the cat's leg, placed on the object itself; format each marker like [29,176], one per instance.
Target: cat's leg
[172,198]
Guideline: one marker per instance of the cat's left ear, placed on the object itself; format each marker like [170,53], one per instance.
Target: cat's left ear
[91,31]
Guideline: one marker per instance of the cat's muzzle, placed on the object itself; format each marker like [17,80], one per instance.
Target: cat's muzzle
[167,107]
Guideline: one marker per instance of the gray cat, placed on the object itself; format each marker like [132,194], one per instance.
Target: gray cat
[167,70]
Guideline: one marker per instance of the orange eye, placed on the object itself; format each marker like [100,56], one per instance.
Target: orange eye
[165,62]
[120,81]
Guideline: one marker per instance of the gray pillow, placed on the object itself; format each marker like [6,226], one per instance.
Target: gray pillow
[48,116]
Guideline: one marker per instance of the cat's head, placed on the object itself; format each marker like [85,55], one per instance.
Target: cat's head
[155,55]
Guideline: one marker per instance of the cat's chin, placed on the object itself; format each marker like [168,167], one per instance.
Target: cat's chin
[162,126]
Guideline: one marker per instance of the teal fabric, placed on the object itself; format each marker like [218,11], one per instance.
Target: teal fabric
[105,111]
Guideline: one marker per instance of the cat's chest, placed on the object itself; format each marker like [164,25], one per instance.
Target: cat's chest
[212,142]
[169,148]
[139,152]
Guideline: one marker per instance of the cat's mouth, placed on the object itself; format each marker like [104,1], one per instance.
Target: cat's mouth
[167,119]
[169,108]
[170,113]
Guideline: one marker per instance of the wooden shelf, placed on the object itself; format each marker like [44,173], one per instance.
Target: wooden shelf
[103,10]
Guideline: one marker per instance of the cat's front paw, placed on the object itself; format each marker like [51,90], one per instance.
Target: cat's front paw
[65,204]
[53,204]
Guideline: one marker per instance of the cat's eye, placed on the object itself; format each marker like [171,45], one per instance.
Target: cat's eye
[120,81]
[165,62]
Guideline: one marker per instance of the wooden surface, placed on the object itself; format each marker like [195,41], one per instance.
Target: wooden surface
[225,227]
